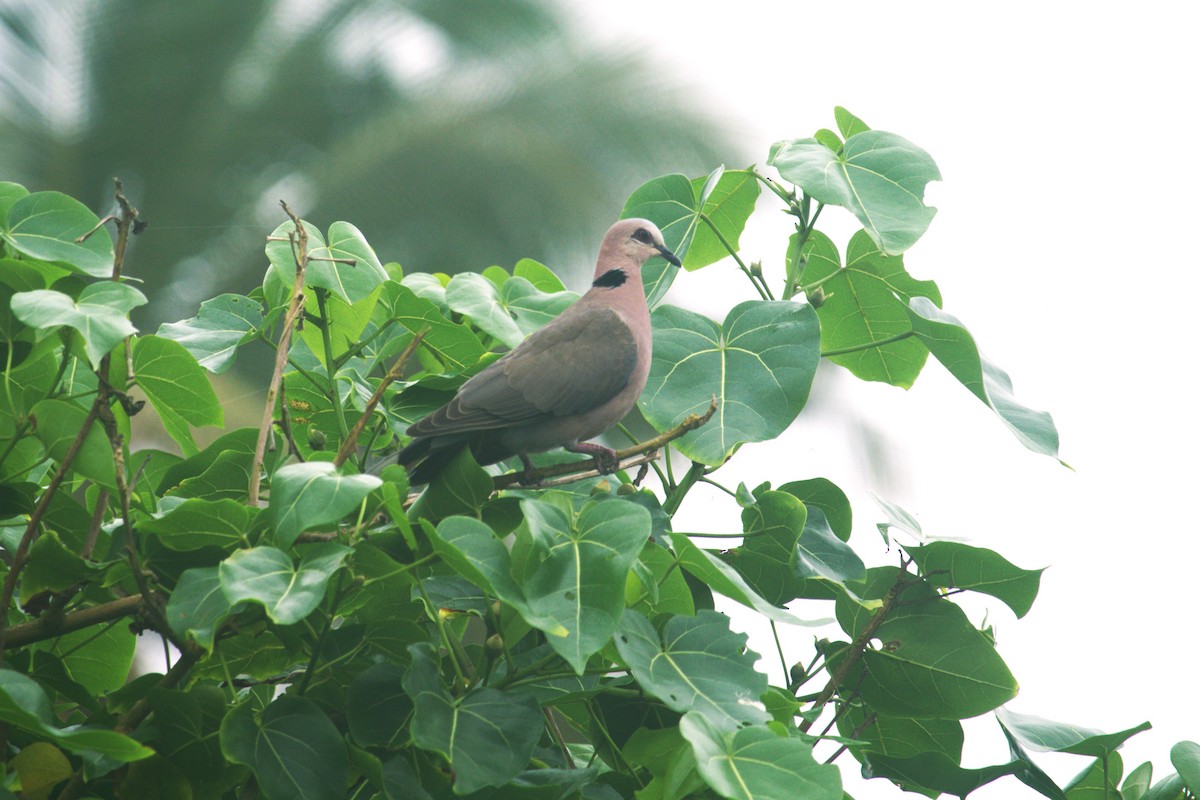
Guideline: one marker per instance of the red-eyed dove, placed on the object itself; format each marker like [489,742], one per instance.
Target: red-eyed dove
[571,380]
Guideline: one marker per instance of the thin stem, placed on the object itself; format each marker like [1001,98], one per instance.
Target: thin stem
[327,344]
[320,643]
[359,346]
[764,291]
[714,484]
[841,351]
[441,626]
[295,308]
[350,443]
[694,474]
[779,649]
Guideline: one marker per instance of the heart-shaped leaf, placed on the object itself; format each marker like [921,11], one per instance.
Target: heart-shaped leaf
[759,365]
[175,384]
[756,764]
[865,308]
[879,176]
[100,315]
[311,495]
[697,664]
[961,566]
[267,576]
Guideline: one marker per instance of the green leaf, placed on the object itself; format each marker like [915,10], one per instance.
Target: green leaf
[53,567]
[46,225]
[177,387]
[1031,774]
[462,487]
[1185,757]
[346,321]
[197,523]
[878,176]
[188,725]
[539,276]
[1169,788]
[754,764]
[580,572]
[9,194]
[824,494]
[698,664]
[295,752]
[759,364]
[1097,782]
[900,737]
[866,303]
[847,123]
[934,772]
[198,605]
[351,282]
[453,343]
[101,314]
[377,707]
[24,704]
[1137,782]
[487,735]
[934,662]
[267,576]
[508,313]
[58,422]
[471,548]
[954,565]
[722,578]
[687,215]
[312,495]
[214,335]
[99,661]
[1043,735]
[954,346]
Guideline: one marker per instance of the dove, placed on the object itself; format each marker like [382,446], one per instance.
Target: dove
[569,381]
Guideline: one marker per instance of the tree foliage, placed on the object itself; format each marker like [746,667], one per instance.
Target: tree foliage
[336,636]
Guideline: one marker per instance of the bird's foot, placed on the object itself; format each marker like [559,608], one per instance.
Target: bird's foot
[527,477]
[605,458]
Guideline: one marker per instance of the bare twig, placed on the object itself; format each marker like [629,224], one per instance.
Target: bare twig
[583,469]
[299,240]
[349,446]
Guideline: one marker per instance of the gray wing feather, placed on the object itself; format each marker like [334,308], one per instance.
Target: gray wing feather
[574,364]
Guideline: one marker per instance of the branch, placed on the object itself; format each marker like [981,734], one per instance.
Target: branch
[350,445]
[299,242]
[49,626]
[578,470]
[858,646]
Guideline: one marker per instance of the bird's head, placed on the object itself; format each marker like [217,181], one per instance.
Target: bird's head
[632,241]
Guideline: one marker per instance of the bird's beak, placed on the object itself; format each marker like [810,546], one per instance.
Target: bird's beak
[668,255]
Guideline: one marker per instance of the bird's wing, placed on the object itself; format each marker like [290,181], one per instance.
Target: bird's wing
[572,365]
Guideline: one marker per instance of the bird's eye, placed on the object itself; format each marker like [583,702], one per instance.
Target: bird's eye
[642,235]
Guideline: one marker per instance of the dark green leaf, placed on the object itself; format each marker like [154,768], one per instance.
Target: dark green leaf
[1137,782]
[58,422]
[487,735]
[197,523]
[961,566]
[1097,782]
[932,661]
[100,315]
[198,605]
[754,764]
[53,567]
[935,772]
[213,336]
[953,345]
[177,387]
[266,576]
[900,737]
[759,365]
[377,707]
[1031,774]
[878,176]
[99,661]
[698,664]
[825,495]
[295,752]
[1044,735]
[455,344]
[312,495]
[462,487]
[46,225]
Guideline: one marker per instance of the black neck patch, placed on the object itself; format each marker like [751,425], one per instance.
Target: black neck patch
[611,279]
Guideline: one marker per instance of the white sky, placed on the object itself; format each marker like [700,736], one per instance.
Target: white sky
[1063,241]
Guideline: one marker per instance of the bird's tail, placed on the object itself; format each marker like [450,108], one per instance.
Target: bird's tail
[424,461]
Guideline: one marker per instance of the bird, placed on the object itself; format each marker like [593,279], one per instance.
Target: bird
[571,380]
